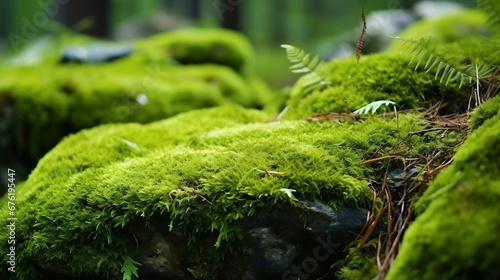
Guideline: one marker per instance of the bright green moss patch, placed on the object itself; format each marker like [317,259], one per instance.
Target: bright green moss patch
[215,166]
[199,46]
[487,110]
[374,77]
[456,236]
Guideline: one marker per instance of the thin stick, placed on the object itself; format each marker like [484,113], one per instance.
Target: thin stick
[478,98]
[281,114]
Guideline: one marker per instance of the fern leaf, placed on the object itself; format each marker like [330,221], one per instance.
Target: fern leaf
[492,9]
[424,54]
[129,268]
[305,65]
[373,107]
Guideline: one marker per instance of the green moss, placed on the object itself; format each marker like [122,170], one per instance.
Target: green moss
[487,110]
[80,203]
[444,30]
[362,265]
[52,101]
[375,77]
[176,71]
[456,236]
[199,46]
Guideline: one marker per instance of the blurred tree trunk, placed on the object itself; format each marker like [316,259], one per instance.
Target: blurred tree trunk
[298,29]
[230,13]
[5,25]
[279,27]
[96,10]
[259,30]
[408,4]
[194,9]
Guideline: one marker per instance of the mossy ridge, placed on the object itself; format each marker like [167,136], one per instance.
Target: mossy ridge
[186,45]
[162,168]
[54,101]
[456,236]
[487,110]
[199,46]
[58,184]
[375,77]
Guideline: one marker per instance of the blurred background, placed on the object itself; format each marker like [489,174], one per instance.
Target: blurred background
[323,27]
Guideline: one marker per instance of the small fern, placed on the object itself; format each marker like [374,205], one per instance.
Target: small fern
[483,68]
[129,268]
[304,64]
[373,107]
[424,54]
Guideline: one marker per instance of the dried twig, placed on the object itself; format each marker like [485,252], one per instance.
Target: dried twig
[359,44]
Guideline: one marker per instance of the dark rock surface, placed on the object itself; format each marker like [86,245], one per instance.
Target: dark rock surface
[284,246]
[282,243]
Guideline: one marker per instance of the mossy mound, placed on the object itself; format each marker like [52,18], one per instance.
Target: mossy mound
[79,204]
[199,46]
[185,46]
[444,30]
[374,77]
[53,100]
[456,236]
[487,110]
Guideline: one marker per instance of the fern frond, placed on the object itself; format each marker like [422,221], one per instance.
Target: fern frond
[373,107]
[492,9]
[129,268]
[425,55]
[304,64]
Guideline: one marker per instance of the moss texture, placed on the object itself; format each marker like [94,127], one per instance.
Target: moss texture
[456,236]
[195,46]
[363,265]
[52,100]
[79,204]
[374,77]
[487,110]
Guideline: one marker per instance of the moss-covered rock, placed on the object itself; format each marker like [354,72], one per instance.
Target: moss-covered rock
[199,46]
[374,77]
[185,46]
[50,100]
[217,166]
[54,101]
[456,236]
[487,110]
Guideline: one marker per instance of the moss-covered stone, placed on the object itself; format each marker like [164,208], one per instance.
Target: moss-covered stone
[199,46]
[51,100]
[487,110]
[185,46]
[79,204]
[456,236]
[374,77]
